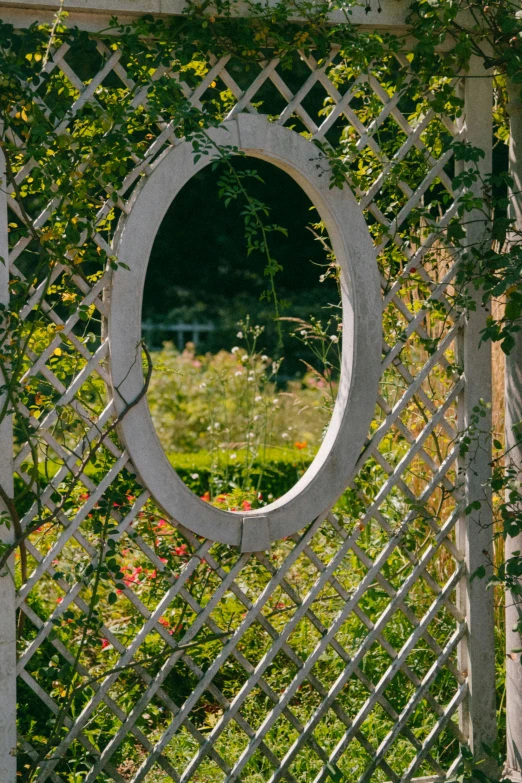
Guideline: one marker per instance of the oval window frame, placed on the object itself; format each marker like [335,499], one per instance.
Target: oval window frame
[334,465]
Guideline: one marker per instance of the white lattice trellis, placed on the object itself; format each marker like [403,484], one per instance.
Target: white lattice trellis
[314,585]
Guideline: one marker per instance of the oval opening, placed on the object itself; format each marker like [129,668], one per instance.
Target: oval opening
[244,382]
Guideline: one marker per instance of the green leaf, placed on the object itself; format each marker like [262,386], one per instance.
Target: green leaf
[479,573]
[513,309]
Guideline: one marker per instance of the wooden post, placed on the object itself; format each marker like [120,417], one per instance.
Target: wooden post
[7,587]
[514,445]
[477,655]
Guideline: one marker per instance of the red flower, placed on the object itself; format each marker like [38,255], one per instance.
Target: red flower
[246,505]
[105,644]
[206,496]
[165,623]
[181,550]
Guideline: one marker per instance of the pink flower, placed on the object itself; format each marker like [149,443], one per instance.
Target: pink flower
[181,550]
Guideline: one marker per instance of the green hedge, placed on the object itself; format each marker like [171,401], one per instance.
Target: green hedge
[275,475]
[279,471]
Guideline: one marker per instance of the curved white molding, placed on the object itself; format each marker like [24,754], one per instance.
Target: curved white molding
[333,467]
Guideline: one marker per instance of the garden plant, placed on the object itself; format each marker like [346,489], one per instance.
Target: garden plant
[237,433]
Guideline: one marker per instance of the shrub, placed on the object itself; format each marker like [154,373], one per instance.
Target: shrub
[272,476]
[227,423]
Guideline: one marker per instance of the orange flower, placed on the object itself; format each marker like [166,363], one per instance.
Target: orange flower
[300,445]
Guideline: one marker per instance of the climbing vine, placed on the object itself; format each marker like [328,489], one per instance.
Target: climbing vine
[75,145]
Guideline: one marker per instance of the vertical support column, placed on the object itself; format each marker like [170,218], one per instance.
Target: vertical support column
[7,586]
[477,655]
[514,446]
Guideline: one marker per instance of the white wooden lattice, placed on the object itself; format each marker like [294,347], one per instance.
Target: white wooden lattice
[305,586]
